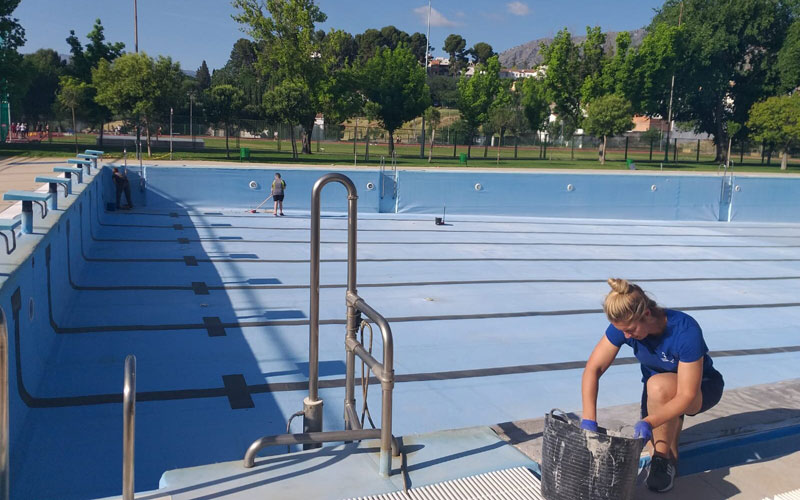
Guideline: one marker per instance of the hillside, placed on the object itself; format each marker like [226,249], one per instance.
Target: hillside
[527,55]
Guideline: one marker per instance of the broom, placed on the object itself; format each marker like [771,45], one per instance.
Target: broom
[260,205]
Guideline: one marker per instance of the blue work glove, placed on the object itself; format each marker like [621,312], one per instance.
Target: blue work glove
[589,425]
[643,430]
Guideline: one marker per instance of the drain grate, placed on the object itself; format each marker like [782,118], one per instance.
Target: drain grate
[518,483]
[789,495]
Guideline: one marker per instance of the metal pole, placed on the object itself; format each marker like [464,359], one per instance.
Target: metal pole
[4,468]
[135,27]
[671,90]
[427,44]
[128,426]
[312,405]
[170,133]
[191,117]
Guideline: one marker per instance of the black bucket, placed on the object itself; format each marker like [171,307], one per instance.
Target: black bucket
[583,465]
[439,221]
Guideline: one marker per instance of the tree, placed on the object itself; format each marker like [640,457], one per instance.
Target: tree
[71,94]
[242,72]
[12,36]
[289,49]
[563,78]
[418,43]
[618,70]
[726,60]
[481,52]
[455,45]
[44,68]
[789,60]
[223,102]
[592,61]
[475,96]
[83,60]
[534,102]
[777,121]
[137,87]
[608,115]
[203,76]
[434,118]
[395,82]
[502,113]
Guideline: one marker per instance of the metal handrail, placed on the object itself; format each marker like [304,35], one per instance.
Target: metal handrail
[4,465]
[312,435]
[128,426]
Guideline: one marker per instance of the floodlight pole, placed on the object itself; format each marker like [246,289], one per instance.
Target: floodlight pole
[427,44]
[671,90]
[170,133]
[191,121]
[136,48]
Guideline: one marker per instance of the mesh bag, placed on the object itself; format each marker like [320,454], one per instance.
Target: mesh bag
[584,465]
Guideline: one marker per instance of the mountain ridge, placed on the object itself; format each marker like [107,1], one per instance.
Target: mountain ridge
[528,54]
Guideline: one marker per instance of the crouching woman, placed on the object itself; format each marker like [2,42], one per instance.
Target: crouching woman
[678,374]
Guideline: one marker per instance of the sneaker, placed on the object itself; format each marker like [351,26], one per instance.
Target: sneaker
[662,474]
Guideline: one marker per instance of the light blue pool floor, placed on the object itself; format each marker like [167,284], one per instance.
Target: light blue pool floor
[492,319]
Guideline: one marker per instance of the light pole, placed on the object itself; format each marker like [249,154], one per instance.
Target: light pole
[427,44]
[170,133]
[136,48]
[671,90]
[191,122]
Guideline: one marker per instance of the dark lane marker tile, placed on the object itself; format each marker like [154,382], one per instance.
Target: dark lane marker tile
[214,326]
[238,392]
[177,227]
[200,288]
[183,241]
[190,260]
[173,214]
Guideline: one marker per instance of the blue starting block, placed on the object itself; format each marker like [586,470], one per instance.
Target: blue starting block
[83,163]
[90,157]
[28,198]
[53,188]
[95,152]
[68,171]
[10,225]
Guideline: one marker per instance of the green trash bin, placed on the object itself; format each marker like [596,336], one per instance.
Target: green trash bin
[463,158]
[631,164]
[244,154]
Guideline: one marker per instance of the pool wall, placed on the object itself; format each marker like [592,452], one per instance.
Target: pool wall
[529,194]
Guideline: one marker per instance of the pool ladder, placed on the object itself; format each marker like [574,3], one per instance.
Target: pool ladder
[128,426]
[313,436]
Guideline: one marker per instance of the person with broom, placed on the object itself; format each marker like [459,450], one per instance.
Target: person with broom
[678,374]
[278,187]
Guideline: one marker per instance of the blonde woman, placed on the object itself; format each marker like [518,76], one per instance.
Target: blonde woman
[678,374]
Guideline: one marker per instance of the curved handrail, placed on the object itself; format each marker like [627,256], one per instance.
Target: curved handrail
[128,426]
[352,224]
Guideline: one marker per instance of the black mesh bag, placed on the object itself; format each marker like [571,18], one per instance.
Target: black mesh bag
[585,465]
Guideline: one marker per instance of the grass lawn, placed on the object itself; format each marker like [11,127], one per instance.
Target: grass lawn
[341,154]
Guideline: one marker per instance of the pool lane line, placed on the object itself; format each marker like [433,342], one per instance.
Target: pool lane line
[449,231]
[274,387]
[408,283]
[429,243]
[567,221]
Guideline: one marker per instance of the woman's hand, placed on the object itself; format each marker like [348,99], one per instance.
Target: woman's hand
[642,430]
[589,425]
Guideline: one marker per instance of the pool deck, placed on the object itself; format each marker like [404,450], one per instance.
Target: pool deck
[493,319]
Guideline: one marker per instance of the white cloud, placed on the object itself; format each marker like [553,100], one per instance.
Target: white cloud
[437,18]
[518,8]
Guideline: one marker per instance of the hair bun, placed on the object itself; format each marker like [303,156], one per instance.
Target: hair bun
[619,285]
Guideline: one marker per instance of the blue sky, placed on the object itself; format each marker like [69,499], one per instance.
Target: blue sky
[193,30]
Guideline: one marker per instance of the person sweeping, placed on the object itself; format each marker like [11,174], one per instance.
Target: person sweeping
[278,187]
[678,374]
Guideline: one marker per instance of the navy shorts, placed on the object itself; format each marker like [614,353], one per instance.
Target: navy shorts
[710,387]
[277,197]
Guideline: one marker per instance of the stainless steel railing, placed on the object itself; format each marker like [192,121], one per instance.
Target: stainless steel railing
[4,439]
[312,435]
[128,426]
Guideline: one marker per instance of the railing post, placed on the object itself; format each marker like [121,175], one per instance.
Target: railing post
[4,439]
[128,426]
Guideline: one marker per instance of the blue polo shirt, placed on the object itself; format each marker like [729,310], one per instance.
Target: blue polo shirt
[682,340]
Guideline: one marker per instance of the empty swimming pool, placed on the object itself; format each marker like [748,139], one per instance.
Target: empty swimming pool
[493,313]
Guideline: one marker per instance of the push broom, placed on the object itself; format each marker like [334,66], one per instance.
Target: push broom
[260,205]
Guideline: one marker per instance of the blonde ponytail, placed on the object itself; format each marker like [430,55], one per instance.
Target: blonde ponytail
[627,302]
